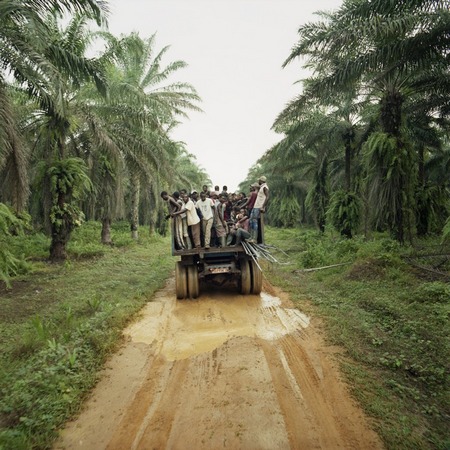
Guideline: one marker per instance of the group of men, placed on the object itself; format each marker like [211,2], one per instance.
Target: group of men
[216,218]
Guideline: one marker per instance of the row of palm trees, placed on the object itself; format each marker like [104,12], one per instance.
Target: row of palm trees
[366,142]
[86,136]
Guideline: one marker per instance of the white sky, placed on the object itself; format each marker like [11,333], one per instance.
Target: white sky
[234,49]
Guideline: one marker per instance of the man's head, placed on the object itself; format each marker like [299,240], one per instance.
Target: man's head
[164,195]
[262,180]
[203,196]
[205,188]
[194,195]
[185,197]
[254,186]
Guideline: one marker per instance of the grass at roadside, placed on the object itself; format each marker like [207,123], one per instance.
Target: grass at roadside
[392,323]
[60,322]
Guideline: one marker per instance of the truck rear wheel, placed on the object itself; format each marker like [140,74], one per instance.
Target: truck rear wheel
[256,278]
[180,280]
[192,281]
[246,279]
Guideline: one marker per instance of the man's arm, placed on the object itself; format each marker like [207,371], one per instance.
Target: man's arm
[266,193]
[182,210]
[175,204]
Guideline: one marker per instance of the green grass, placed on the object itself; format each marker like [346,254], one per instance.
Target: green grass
[60,322]
[390,319]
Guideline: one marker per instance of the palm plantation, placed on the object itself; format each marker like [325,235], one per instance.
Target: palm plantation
[392,82]
[94,125]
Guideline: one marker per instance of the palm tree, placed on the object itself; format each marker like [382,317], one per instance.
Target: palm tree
[57,121]
[14,187]
[137,81]
[318,147]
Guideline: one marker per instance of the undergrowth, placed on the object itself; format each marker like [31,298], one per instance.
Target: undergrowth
[391,320]
[60,323]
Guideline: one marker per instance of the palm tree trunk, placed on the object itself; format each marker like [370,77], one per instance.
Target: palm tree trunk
[61,225]
[347,166]
[422,208]
[60,230]
[348,139]
[134,219]
[421,158]
[153,213]
[106,231]
[391,118]
[303,218]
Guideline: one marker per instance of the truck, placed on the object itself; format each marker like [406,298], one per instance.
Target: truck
[230,264]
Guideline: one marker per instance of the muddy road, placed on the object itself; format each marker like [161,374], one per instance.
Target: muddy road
[224,371]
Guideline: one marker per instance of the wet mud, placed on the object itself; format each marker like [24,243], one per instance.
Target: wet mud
[223,371]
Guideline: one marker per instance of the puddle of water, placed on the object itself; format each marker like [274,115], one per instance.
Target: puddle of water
[183,329]
[277,321]
[147,329]
[268,300]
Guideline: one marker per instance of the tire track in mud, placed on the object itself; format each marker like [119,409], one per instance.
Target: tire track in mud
[224,371]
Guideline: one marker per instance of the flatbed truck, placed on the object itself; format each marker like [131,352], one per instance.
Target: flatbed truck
[221,264]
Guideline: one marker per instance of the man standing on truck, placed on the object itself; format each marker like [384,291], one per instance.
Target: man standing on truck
[251,199]
[193,220]
[206,206]
[177,225]
[259,207]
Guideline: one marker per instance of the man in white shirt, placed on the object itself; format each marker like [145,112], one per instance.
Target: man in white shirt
[260,207]
[206,206]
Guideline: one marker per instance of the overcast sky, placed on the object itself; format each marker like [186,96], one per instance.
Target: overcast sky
[234,49]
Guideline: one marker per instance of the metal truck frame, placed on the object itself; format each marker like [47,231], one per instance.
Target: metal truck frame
[221,264]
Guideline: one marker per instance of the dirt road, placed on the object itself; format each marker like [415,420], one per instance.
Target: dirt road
[223,371]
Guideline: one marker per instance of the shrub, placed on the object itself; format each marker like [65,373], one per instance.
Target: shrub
[11,226]
[344,212]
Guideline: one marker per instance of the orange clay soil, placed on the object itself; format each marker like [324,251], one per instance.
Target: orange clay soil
[223,371]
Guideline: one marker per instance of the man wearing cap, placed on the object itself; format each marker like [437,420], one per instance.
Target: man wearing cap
[259,207]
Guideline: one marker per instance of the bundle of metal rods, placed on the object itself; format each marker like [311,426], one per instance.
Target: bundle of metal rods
[256,251]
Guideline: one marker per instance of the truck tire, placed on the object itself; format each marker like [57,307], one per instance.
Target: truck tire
[192,281]
[180,281]
[245,283]
[256,278]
